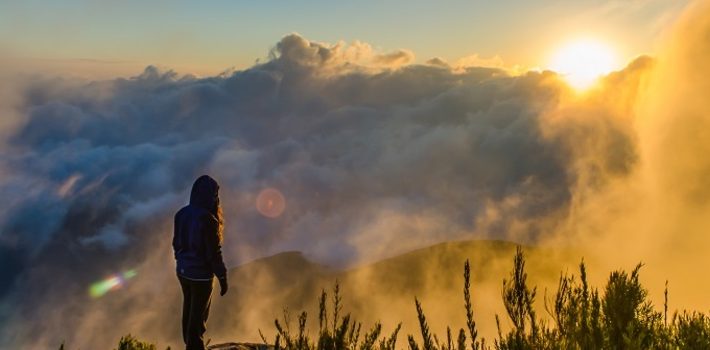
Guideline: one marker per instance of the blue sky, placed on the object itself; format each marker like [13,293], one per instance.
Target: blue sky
[209,36]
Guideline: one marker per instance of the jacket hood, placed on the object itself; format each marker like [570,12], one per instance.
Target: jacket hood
[205,193]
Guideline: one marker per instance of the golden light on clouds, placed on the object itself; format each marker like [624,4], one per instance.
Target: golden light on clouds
[582,62]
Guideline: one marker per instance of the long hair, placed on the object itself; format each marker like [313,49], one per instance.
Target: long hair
[205,194]
[220,221]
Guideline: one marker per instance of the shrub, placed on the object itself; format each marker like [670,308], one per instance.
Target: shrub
[128,342]
[623,318]
[343,333]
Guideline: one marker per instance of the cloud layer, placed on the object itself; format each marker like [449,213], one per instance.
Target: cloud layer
[373,155]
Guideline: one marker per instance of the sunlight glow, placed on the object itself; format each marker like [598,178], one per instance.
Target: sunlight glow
[582,62]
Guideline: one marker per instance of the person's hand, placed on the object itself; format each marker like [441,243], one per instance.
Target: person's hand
[223,286]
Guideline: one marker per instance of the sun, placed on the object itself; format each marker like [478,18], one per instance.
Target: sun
[582,62]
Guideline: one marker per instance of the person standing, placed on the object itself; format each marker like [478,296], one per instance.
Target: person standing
[197,244]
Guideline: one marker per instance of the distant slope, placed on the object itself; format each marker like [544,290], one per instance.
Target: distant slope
[383,290]
[441,266]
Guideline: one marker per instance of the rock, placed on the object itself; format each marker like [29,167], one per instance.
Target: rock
[240,346]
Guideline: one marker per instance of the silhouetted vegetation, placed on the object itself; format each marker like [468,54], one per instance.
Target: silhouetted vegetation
[129,342]
[578,317]
[341,332]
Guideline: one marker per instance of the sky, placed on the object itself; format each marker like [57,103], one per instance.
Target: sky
[89,38]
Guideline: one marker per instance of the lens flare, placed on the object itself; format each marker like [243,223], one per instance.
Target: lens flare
[111,283]
[270,203]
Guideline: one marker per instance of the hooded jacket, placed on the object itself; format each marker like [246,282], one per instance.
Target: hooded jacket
[196,241]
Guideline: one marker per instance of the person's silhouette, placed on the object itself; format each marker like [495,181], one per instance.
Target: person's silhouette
[197,240]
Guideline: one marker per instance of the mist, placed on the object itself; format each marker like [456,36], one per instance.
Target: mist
[374,155]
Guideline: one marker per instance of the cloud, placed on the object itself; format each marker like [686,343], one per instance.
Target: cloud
[296,52]
[477,61]
[394,59]
[438,61]
[369,150]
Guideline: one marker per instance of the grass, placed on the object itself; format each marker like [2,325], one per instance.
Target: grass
[580,317]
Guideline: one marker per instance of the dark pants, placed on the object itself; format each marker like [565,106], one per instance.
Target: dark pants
[197,296]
